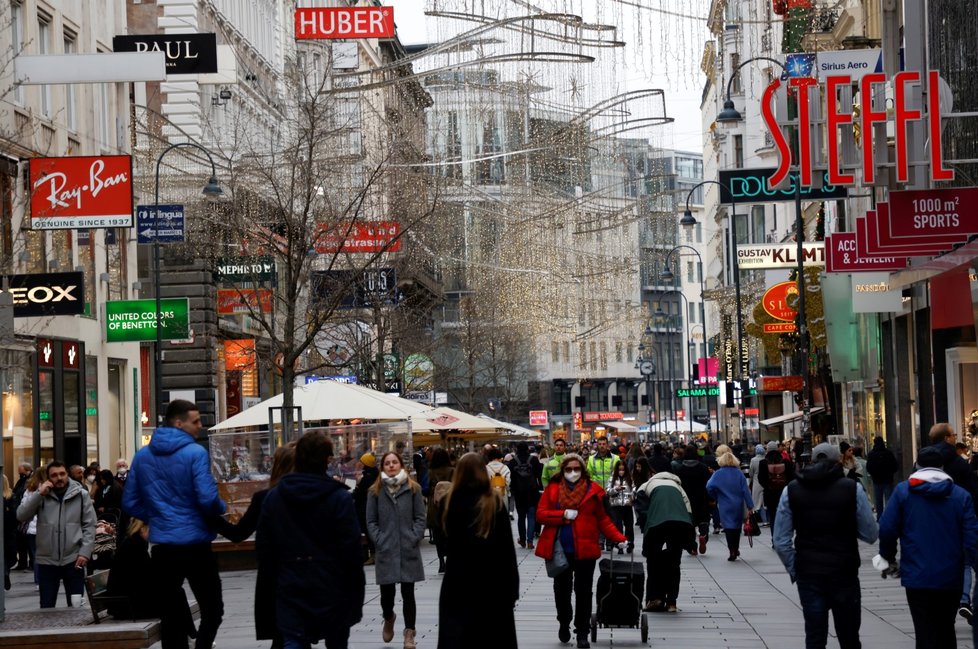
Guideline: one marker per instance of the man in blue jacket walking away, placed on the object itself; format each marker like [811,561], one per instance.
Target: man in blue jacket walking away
[935,522]
[170,487]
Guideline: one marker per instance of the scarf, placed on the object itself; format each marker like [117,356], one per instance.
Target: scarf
[394,483]
[571,496]
[928,474]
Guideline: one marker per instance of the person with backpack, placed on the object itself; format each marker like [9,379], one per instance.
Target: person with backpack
[500,476]
[621,498]
[694,475]
[774,474]
[523,471]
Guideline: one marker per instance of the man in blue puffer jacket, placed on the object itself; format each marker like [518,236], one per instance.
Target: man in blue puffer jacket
[935,523]
[171,488]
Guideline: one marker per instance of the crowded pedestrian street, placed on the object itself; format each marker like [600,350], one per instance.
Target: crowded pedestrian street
[747,604]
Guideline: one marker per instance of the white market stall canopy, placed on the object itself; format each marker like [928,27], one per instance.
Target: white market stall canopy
[329,400]
[512,429]
[676,426]
[441,419]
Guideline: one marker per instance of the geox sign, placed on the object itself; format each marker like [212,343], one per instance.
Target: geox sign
[45,295]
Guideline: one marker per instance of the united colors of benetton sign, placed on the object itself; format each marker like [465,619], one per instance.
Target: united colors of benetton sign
[344,22]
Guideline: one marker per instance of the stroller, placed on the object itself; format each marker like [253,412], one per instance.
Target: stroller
[619,596]
[105,542]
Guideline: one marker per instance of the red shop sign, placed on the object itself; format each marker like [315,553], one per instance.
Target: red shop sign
[843,256]
[81,192]
[780,384]
[243,300]
[344,22]
[365,236]
[775,301]
[539,418]
[603,416]
[931,212]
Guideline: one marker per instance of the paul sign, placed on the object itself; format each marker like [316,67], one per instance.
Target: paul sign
[81,192]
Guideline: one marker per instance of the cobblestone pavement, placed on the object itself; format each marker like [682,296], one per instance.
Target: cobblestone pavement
[748,604]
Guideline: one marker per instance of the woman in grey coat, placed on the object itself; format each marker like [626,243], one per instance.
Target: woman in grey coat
[396,526]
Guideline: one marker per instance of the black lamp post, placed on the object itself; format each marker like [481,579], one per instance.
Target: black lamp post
[646,367]
[659,313]
[730,115]
[212,190]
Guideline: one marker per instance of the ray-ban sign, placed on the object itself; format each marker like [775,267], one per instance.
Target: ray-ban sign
[81,192]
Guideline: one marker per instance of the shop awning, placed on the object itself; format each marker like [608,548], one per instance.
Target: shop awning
[620,426]
[789,418]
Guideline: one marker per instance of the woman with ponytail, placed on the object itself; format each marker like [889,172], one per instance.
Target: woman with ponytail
[396,525]
[481,555]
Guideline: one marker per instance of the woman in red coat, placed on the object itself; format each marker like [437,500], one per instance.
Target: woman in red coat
[572,513]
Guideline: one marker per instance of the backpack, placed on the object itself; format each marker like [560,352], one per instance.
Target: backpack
[777,476]
[521,477]
[498,482]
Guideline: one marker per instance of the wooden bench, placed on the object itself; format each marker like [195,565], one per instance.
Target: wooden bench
[97,585]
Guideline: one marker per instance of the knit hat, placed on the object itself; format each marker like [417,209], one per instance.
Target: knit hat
[759,449]
[772,445]
[826,451]
[843,447]
[930,457]
[368,459]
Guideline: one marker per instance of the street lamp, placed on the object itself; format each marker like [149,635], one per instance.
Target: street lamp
[646,367]
[730,115]
[212,190]
[659,313]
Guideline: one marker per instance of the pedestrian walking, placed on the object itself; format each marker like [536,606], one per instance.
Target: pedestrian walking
[396,525]
[694,476]
[820,516]
[440,473]
[552,466]
[283,463]
[523,471]
[499,475]
[728,487]
[25,560]
[308,540]
[621,497]
[929,511]
[601,465]
[171,488]
[881,465]
[481,555]
[9,550]
[65,533]
[668,531]
[659,461]
[573,514]
[368,476]
[756,490]
[774,474]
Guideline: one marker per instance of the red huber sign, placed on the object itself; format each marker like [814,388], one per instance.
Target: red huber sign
[81,192]
[869,84]
[344,22]
[775,301]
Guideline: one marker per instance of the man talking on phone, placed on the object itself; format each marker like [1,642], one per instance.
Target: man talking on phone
[65,533]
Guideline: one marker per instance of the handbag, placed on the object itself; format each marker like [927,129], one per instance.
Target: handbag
[750,530]
[559,563]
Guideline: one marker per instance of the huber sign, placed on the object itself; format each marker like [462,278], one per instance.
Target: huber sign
[344,22]
[81,192]
[134,320]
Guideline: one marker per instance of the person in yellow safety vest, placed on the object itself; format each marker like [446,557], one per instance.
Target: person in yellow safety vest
[552,467]
[601,466]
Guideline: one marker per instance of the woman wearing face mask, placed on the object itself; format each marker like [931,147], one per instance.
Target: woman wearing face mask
[573,514]
[396,525]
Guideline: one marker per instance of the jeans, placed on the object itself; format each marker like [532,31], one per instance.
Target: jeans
[881,494]
[624,518]
[410,609]
[50,578]
[842,597]
[526,519]
[32,553]
[197,565]
[966,589]
[933,612]
[578,577]
[663,547]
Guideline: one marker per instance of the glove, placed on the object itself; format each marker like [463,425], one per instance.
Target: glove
[623,546]
[570,514]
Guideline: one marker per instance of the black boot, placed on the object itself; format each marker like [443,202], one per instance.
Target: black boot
[441,565]
[582,642]
[563,634]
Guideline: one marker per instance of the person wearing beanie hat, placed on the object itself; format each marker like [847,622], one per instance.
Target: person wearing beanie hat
[820,517]
[368,476]
[774,474]
[929,511]
[368,459]
[881,464]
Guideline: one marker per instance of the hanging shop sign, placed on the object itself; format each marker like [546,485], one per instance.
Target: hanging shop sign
[855,63]
[539,418]
[356,288]
[47,294]
[81,192]
[775,301]
[867,241]
[707,370]
[231,301]
[344,22]
[168,227]
[239,354]
[780,384]
[361,236]
[885,238]
[135,320]
[842,256]
[683,393]
[245,269]
[754,186]
[930,212]
[603,416]
[807,89]
[185,53]
[779,327]
[871,293]
[779,255]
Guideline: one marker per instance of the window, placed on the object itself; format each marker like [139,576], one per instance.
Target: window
[102,114]
[566,351]
[699,232]
[582,355]
[738,144]
[604,355]
[453,147]
[758,234]
[619,351]
[17,32]
[736,87]
[555,351]
[44,47]
[690,277]
[71,117]
[630,357]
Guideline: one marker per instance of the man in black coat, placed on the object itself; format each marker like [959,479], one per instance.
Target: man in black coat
[308,536]
[881,464]
[942,437]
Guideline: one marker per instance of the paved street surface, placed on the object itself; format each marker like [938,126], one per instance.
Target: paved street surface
[747,604]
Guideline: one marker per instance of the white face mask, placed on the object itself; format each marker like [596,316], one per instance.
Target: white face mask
[90,478]
[123,470]
[572,475]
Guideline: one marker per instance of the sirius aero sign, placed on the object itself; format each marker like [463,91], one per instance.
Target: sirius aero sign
[47,295]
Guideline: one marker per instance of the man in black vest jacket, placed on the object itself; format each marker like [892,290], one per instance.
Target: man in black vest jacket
[820,516]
